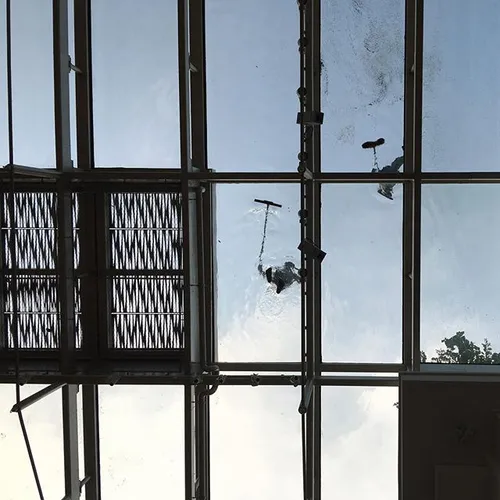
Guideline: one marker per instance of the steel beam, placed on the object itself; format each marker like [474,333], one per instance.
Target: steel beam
[92,456]
[417,224]
[63,163]
[161,179]
[147,378]
[409,188]
[83,80]
[27,402]
[70,435]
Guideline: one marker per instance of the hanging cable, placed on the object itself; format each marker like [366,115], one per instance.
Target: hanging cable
[12,241]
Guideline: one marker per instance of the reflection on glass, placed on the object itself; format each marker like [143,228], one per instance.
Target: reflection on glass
[45,429]
[362,82]
[460,275]
[360,442]
[257,258]
[362,274]
[255,433]
[136,90]
[252,79]
[142,442]
[32,61]
[461,127]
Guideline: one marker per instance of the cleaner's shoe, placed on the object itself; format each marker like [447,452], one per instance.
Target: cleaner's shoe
[269,274]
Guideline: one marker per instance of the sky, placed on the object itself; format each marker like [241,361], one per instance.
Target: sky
[252,78]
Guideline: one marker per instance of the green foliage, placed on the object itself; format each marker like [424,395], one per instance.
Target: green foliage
[460,350]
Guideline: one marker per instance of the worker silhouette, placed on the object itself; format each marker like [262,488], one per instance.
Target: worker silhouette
[282,277]
[386,188]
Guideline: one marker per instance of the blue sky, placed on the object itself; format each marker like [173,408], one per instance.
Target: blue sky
[252,78]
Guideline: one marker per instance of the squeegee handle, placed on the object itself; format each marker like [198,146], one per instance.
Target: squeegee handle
[267,202]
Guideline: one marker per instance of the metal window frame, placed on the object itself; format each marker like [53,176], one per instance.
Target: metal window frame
[200,371]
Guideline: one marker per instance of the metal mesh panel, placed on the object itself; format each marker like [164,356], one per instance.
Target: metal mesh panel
[147,313]
[145,231]
[35,216]
[38,320]
[146,264]
[37,307]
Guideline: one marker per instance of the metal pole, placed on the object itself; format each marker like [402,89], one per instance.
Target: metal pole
[70,435]
[409,188]
[92,455]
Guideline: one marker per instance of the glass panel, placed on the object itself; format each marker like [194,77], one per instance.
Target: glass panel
[362,274]
[360,442]
[255,322]
[461,128]
[362,82]
[142,442]
[136,89]
[256,431]
[252,80]
[44,425]
[4,133]
[460,275]
[32,60]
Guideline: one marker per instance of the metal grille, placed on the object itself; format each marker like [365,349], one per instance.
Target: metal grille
[146,270]
[35,215]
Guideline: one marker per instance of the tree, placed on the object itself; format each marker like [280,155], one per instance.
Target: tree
[460,350]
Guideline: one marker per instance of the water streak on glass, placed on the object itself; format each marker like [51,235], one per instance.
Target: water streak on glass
[256,323]
[362,81]
[256,432]
[142,452]
[360,433]
[461,125]
[362,274]
[136,89]
[460,275]
[252,79]
[32,61]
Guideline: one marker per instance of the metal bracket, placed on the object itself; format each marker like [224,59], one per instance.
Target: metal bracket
[74,68]
[312,118]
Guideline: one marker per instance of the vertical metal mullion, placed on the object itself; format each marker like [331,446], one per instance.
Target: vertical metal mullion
[191,344]
[87,202]
[313,276]
[83,92]
[417,202]
[104,299]
[65,244]
[70,435]
[3,238]
[409,188]
[63,163]
[92,455]
[203,238]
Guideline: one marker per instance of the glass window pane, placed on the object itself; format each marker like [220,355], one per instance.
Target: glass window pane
[4,133]
[252,80]
[136,89]
[362,274]
[255,433]
[255,322]
[45,430]
[32,61]
[142,442]
[362,82]
[360,442]
[460,275]
[461,127]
